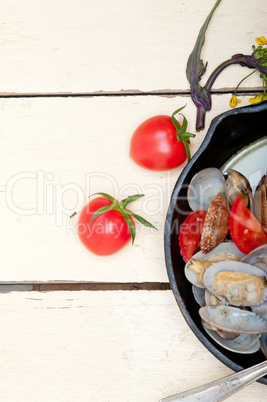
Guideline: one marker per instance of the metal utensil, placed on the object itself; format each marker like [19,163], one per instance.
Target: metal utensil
[221,389]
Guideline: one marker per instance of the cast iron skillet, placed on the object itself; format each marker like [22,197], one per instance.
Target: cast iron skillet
[228,133]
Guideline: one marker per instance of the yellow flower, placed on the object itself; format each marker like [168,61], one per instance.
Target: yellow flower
[261,40]
[234,101]
[258,98]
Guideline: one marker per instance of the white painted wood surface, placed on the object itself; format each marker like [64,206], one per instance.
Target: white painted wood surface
[55,153]
[102,346]
[113,45]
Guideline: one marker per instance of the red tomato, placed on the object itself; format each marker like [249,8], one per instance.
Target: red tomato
[154,145]
[245,230]
[190,234]
[107,233]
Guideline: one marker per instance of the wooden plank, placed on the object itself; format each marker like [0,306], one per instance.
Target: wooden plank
[89,45]
[52,286]
[102,346]
[55,153]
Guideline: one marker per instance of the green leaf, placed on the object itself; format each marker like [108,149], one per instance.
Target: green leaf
[109,197]
[101,210]
[178,110]
[187,135]
[120,207]
[187,150]
[128,200]
[182,135]
[183,127]
[178,129]
[184,124]
[129,222]
[140,219]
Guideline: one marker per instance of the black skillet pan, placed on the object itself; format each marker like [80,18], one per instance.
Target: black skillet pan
[227,134]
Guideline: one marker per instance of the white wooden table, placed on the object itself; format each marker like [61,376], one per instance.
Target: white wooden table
[76,79]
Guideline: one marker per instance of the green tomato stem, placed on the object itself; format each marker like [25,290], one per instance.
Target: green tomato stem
[121,208]
[182,135]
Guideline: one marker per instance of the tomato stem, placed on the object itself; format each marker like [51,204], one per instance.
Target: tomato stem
[182,134]
[121,208]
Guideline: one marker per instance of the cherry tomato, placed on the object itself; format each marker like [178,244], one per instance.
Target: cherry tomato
[107,233]
[154,145]
[190,234]
[245,230]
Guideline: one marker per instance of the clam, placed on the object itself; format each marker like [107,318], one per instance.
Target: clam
[242,343]
[236,283]
[257,257]
[210,299]
[233,319]
[236,342]
[221,334]
[260,202]
[203,187]
[230,288]
[199,295]
[261,310]
[235,185]
[196,267]
[216,224]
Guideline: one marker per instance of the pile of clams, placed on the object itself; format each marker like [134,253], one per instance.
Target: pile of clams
[229,286]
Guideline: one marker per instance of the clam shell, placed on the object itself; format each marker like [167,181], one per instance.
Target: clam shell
[262,266]
[257,257]
[203,187]
[199,295]
[233,319]
[225,247]
[235,185]
[210,274]
[244,343]
[261,310]
[210,299]
[221,334]
[216,224]
[260,202]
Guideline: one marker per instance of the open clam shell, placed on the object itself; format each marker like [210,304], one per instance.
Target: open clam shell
[210,299]
[222,334]
[235,185]
[243,343]
[260,202]
[257,257]
[261,309]
[222,249]
[236,283]
[233,319]
[203,187]
[199,295]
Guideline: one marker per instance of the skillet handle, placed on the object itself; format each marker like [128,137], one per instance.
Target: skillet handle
[221,389]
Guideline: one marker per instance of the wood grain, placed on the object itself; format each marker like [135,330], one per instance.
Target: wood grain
[77,78]
[102,346]
[80,46]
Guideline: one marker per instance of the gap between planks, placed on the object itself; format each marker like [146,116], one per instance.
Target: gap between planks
[55,286]
[130,92]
